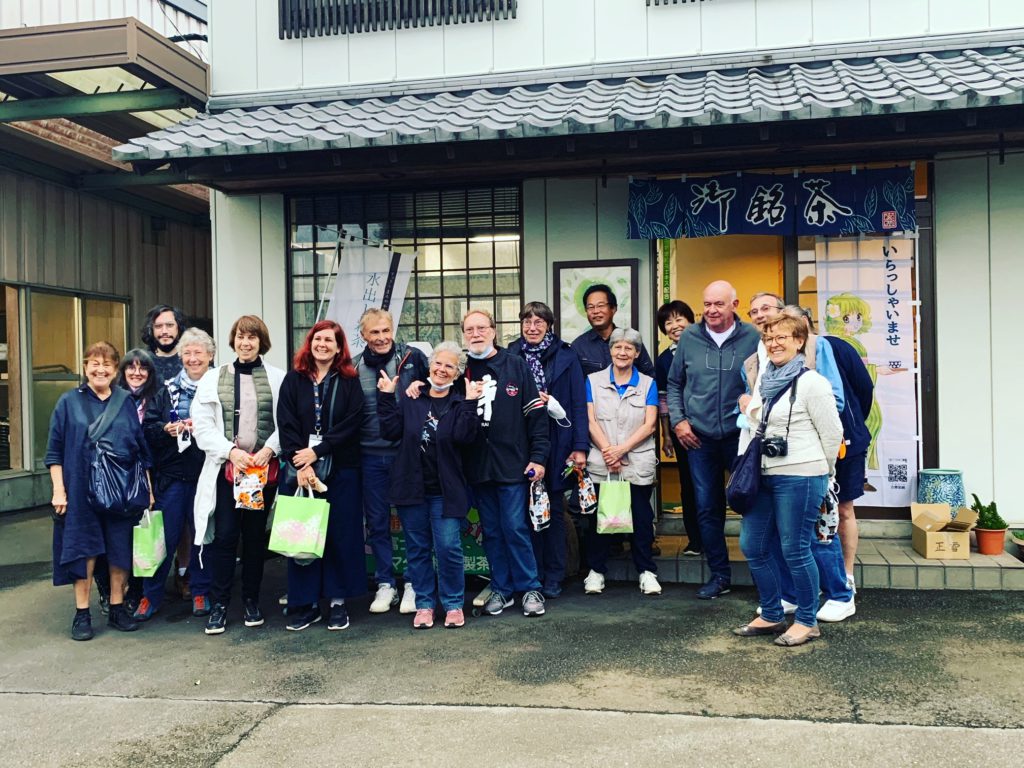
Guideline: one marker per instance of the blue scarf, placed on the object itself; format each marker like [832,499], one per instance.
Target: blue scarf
[777,378]
[533,354]
[182,389]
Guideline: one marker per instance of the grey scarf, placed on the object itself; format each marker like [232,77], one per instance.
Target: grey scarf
[777,378]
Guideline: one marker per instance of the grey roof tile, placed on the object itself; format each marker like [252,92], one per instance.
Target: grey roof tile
[781,91]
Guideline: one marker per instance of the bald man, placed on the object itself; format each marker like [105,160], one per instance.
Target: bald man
[704,384]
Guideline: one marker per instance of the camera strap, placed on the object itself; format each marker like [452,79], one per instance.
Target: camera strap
[768,408]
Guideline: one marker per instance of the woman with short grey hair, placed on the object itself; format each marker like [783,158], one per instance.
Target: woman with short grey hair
[628,335]
[453,349]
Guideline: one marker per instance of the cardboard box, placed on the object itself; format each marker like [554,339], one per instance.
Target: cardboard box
[939,533]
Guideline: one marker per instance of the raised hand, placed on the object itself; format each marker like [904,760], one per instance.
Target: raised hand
[387,384]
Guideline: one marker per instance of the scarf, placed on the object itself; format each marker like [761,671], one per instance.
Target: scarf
[246,369]
[140,401]
[182,389]
[375,361]
[533,354]
[777,378]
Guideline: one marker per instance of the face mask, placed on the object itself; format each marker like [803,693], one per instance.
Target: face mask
[481,355]
[439,387]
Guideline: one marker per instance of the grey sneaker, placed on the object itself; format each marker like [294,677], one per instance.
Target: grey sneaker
[533,603]
[497,603]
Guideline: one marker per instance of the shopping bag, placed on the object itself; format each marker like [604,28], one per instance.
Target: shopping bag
[148,546]
[300,526]
[614,512]
[540,506]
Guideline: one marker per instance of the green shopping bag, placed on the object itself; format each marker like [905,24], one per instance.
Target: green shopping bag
[300,526]
[148,546]
[614,510]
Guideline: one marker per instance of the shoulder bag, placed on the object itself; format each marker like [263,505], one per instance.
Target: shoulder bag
[117,480]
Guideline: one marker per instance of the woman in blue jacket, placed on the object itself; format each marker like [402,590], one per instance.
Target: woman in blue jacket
[559,377]
[428,485]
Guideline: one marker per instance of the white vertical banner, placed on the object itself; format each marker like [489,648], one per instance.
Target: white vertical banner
[866,297]
[368,276]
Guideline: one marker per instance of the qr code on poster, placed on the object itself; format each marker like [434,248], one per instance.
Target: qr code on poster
[898,474]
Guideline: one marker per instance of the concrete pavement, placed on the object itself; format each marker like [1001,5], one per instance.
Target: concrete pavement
[619,678]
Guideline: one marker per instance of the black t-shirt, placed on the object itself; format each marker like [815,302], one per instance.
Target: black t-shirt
[428,445]
[167,367]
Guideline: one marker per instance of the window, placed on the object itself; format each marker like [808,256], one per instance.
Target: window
[468,244]
[62,326]
[300,18]
[11,431]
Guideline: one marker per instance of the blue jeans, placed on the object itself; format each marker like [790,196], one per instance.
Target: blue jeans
[341,572]
[831,571]
[785,511]
[708,465]
[377,509]
[427,534]
[502,508]
[175,501]
[641,539]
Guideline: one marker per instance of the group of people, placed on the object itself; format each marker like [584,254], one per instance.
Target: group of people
[469,426]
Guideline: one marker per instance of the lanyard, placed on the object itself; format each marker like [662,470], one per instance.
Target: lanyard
[317,406]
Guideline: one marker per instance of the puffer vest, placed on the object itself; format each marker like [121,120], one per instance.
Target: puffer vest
[264,400]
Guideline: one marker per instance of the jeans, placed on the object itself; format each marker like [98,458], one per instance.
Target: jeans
[641,540]
[785,511]
[175,501]
[376,469]
[502,508]
[831,571]
[428,534]
[688,498]
[708,465]
[341,572]
[230,524]
[550,545]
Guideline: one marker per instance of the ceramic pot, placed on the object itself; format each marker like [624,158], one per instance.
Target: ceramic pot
[941,486]
[990,542]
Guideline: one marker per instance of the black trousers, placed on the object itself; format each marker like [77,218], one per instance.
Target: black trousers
[230,525]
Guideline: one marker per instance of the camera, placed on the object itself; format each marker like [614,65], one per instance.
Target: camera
[773,447]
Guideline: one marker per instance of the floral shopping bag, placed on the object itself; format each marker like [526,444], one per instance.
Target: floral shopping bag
[148,546]
[300,526]
[614,509]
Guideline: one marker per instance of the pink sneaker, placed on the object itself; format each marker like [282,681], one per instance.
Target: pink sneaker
[424,618]
[455,618]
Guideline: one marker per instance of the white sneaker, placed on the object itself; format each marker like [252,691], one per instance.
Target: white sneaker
[408,600]
[649,584]
[386,597]
[835,610]
[788,608]
[850,583]
[594,583]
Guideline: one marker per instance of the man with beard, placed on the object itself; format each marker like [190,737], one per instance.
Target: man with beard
[161,331]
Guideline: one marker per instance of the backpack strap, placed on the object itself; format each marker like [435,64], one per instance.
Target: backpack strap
[99,427]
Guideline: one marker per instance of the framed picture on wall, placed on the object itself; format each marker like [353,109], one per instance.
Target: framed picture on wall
[573,278]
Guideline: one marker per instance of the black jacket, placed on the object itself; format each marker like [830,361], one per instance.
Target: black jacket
[517,432]
[296,418]
[595,354]
[859,392]
[168,464]
[402,420]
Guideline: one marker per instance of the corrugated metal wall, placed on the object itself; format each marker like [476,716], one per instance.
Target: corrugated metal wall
[55,236]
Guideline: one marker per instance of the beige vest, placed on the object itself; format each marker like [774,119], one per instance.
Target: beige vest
[620,417]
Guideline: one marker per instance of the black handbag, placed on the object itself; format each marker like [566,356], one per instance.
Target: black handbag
[745,478]
[117,481]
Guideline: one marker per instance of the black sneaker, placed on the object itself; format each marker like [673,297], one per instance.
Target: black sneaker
[104,603]
[121,620]
[253,617]
[218,619]
[298,623]
[338,618]
[714,588]
[81,626]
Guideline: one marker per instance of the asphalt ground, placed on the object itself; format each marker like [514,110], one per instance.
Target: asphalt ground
[913,678]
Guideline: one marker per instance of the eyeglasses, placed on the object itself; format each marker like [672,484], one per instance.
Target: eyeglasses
[769,340]
[596,307]
[471,331]
[764,308]
[534,322]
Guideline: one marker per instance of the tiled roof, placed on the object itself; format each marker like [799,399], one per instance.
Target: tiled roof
[823,89]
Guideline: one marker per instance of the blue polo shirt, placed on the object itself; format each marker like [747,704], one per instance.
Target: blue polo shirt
[634,381]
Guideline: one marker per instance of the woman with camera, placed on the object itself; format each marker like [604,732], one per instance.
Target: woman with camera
[798,453]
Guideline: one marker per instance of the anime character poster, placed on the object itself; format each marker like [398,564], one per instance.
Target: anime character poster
[866,297]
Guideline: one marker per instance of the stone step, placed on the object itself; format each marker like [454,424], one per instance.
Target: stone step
[882,564]
[672,525]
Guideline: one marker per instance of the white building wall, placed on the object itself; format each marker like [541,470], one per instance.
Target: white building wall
[979,207]
[250,274]
[580,220]
[557,33]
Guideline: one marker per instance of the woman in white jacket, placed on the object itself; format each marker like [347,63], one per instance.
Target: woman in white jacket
[799,451]
[234,421]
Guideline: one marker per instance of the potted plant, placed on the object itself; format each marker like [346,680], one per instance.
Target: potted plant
[991,528]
